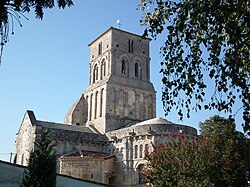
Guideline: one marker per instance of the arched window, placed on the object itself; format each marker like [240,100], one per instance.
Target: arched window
[141,170]
[123,70]
[130,46]
[90,106]
[103,69]
[141,150]
[100,48]
[96,95]
[95,73]
[136,151]
[136,69]
[101,102]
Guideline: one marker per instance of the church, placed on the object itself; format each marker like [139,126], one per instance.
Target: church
[107,131]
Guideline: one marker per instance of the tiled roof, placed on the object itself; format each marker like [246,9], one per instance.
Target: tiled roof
[87,154]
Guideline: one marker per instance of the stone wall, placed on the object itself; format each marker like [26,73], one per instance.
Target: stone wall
[25,140]
[120,87]
[11,176]
[93,169]
[129,145]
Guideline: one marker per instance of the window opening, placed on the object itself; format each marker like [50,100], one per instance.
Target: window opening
[101,103]
[103,69]
[136,69]
[100,48]
[130,46]
[95,76]
[123,67]
[96,95]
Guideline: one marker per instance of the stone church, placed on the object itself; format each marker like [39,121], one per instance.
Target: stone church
[108,129]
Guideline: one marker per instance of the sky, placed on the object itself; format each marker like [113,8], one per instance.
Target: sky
[45,64]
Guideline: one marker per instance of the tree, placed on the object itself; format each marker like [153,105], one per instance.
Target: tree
[11,10]
[207,43]
[41,171]
[220,156]
[180,162]
[230,152]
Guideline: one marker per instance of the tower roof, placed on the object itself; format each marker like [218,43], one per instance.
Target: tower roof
[112,28]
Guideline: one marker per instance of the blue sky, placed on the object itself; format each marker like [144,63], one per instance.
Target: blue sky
[45,64]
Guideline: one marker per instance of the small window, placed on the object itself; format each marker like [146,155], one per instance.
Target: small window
[123,70]
[96,99]
[101,102]
[95,73]
[136,69]
[117,45]
[130,46]
[100,48]
[103,69]
[77,124]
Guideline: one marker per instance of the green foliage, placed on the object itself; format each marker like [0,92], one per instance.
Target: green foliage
[220,156]
[206,40]
[230,154]
[41,170]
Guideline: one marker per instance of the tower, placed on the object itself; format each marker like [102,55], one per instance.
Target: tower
[120,92]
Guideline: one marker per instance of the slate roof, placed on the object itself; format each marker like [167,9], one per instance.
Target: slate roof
[60,126]
[87,154]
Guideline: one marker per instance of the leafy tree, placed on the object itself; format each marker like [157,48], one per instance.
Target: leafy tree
[13,10]
[180,162]
[230,152]
[41,170]
[220,156]
[206,42]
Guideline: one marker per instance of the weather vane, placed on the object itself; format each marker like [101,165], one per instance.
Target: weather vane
[119,23]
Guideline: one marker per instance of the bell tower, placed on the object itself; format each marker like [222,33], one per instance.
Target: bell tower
[120,92]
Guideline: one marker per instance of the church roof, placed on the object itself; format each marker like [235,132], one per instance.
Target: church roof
[154,121]
[113,28]
[60,126]
[87,154]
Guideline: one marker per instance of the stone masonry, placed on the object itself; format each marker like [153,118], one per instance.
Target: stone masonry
[108,129]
